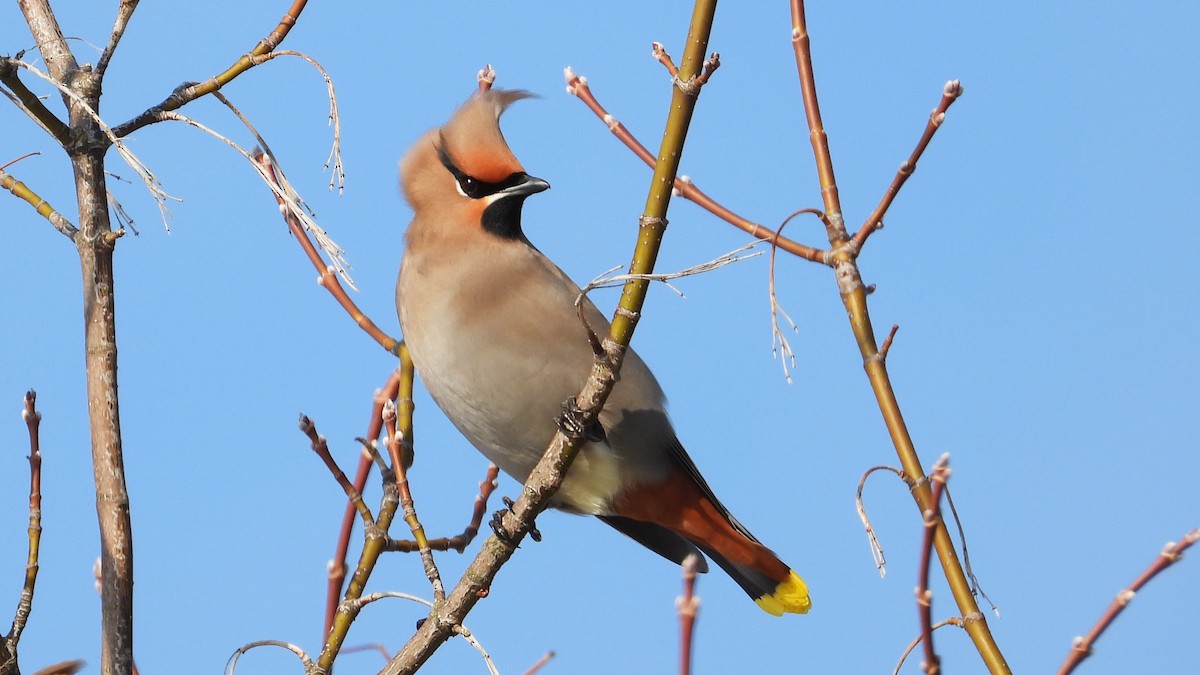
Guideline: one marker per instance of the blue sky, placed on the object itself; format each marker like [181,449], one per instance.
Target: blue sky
[1046,340]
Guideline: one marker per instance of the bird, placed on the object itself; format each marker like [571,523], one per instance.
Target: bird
[494,334]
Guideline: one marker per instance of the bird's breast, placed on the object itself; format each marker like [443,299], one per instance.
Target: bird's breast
[499,349]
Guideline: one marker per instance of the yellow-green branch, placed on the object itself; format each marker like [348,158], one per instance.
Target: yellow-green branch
[854,296]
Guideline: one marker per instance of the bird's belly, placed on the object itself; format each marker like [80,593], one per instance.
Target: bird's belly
[504,397]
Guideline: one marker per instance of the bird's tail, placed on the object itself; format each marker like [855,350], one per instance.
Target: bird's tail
[683,505]
[774,586]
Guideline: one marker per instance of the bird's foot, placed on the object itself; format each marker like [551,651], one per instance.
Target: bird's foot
[571,423]
[497,525]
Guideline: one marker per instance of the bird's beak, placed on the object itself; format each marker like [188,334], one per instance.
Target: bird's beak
[524,187]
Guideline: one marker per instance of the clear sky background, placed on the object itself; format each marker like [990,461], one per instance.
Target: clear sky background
[1038,264]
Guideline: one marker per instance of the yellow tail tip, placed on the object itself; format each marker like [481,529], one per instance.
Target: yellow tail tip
[791,595]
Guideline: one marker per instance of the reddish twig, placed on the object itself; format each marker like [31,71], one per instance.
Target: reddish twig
[937,482]
[577,85]
[950,94]
[1171,554]
[540,663]
[887,342]
[321,447]
[461,541]
[689,606]
[328,279]
[952,621]
[661,55]
[63,668]
[337,565]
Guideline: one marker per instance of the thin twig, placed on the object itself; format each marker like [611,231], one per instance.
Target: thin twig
[30,104]
[607,280]
[872,540]
[22,191]
[952,621]
[540,663]
[937,479]
[25,605]
[231,666]
[577,85]
[321,447]
[337,565]
[327,279]
[148,178]
[1171,554]
[950,94]
[285,195]
[784,352]
[394,443]
[190,91]
[887,341]
[356,606]
[124,13]
[338,177]
[459,542]
[688,606]
[976,587]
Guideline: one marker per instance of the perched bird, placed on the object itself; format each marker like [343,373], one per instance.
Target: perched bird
[493,331]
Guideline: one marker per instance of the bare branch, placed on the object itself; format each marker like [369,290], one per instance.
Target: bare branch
[337,565]
[22,191]
[937,479]
[1171,554]
[231,666]
[124,13]
[577,85]
[29,102]
[321,447]
[148,178]
[394,443]
[950,94]
[25,605]
[952,621]
[540,663]
[190,91]
[688,606]
[843,253]
[43,24]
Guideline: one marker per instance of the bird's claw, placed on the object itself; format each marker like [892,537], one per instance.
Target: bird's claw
[497,525]
[571,423]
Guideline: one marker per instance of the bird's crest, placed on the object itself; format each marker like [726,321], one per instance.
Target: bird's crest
[472,137]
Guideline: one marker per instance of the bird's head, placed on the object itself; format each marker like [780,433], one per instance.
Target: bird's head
[465,175]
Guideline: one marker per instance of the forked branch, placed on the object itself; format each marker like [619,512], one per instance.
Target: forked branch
[844,253]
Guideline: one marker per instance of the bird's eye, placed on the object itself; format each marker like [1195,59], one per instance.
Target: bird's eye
[470,187]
